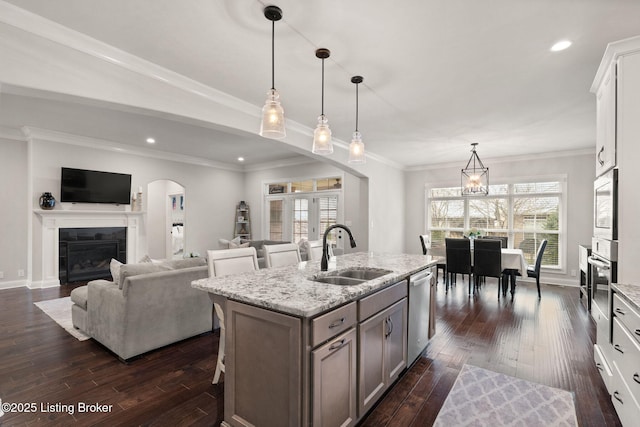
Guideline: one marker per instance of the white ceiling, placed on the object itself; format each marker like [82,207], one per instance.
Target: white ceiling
[438,74]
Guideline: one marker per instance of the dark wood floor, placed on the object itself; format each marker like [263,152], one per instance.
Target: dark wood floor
[548,341]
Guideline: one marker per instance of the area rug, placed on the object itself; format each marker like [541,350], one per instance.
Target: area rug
[480,397]
[60,311]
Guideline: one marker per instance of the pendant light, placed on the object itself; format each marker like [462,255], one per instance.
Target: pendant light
[322,134]
[474,179]
[272,125]
[356,148]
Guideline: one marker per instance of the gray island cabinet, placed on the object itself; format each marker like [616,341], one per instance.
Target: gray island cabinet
[305,353]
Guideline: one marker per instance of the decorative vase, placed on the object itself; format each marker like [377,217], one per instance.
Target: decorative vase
[47,201]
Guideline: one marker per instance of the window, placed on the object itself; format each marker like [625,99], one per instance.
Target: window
[302,209]
[276,219]
[525,212]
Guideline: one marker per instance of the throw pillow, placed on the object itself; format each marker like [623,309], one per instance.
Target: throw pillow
[223,243]
[233,245]
[114,266]
[145,258]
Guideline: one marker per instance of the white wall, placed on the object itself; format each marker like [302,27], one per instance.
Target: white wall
[211,193]
[13,212]
[354,190]
[580,173]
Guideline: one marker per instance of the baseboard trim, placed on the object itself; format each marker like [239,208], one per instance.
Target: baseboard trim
[13,284]
[42,284]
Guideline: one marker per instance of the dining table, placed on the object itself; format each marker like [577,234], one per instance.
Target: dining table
[513,264]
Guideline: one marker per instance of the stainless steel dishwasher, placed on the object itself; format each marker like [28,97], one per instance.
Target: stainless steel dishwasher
[419,313]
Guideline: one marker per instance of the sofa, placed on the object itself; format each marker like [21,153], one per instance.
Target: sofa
[147,306]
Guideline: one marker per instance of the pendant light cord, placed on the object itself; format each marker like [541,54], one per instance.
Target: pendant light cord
[322,97]
[273,56]
[356,108]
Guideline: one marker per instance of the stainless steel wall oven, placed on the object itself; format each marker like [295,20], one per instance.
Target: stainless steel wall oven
[605,206]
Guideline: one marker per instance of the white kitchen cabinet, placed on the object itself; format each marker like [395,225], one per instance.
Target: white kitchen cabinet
[606,122]
[625,390]
[616,86]
[382,343]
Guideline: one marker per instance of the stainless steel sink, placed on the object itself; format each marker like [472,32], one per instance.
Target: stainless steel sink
[350,276]
[362,273]
[336,280]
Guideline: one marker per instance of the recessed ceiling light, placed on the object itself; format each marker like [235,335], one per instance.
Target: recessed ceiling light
[241,159]
[561,45]
[151,141]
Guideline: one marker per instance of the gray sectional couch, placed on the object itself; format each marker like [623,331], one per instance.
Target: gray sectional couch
[150,305]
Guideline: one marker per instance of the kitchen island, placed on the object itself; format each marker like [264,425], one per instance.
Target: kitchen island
[301,352]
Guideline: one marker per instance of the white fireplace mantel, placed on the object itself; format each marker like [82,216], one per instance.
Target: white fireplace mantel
[53,220]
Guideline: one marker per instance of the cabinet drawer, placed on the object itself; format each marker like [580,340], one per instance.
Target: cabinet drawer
[626,356]
[372,304]
[626,406]
[629,318]
[331,324]
[603,367]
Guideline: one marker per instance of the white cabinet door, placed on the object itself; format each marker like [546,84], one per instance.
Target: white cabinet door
[606,123]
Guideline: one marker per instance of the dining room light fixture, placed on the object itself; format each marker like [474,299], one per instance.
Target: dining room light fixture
[322,134]
[272,125]
[356,148]
[474,178]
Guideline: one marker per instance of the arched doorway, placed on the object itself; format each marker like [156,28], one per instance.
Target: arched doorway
[166,219]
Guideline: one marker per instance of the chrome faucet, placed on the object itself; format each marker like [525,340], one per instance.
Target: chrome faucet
[324,264]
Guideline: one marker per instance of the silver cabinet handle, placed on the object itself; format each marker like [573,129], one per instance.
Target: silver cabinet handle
[389,327]
[617,347]
[599,366]
[637,331]
[636,377]
[337,345]
[337,323]
[620,311]
[617,396]
[599,156]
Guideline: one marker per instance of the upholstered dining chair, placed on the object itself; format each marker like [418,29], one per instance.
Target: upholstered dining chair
[487,262]
[283,254]
[458,259]
[314,250]
[503,240]
[225,262]
[534,271]
[442,265]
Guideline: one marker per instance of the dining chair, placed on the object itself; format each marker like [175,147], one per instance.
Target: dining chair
[487,262]
[224,262]
[442,265]
[314,250]
[283,254]
[458,252]
[504,241]
[535,270]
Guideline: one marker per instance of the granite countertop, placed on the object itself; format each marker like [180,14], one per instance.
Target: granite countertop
[289,290]
[630,293]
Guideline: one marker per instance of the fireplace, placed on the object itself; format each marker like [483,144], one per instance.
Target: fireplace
[85,253]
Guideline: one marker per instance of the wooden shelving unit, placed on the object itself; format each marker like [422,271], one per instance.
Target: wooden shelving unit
[242,228]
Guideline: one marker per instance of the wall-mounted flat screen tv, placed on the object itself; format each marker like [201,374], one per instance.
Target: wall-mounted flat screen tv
[87,186]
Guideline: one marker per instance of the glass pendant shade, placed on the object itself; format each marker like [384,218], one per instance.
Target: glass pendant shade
[474,178]
[356,149]
[322,137]
[272,125]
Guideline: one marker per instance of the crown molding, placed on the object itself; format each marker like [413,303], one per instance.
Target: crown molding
[12,134]
[509,159]
[31,133]
[293,161]
[57,33]
[613,51]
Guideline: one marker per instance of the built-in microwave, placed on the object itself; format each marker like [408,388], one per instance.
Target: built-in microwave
[605,206]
